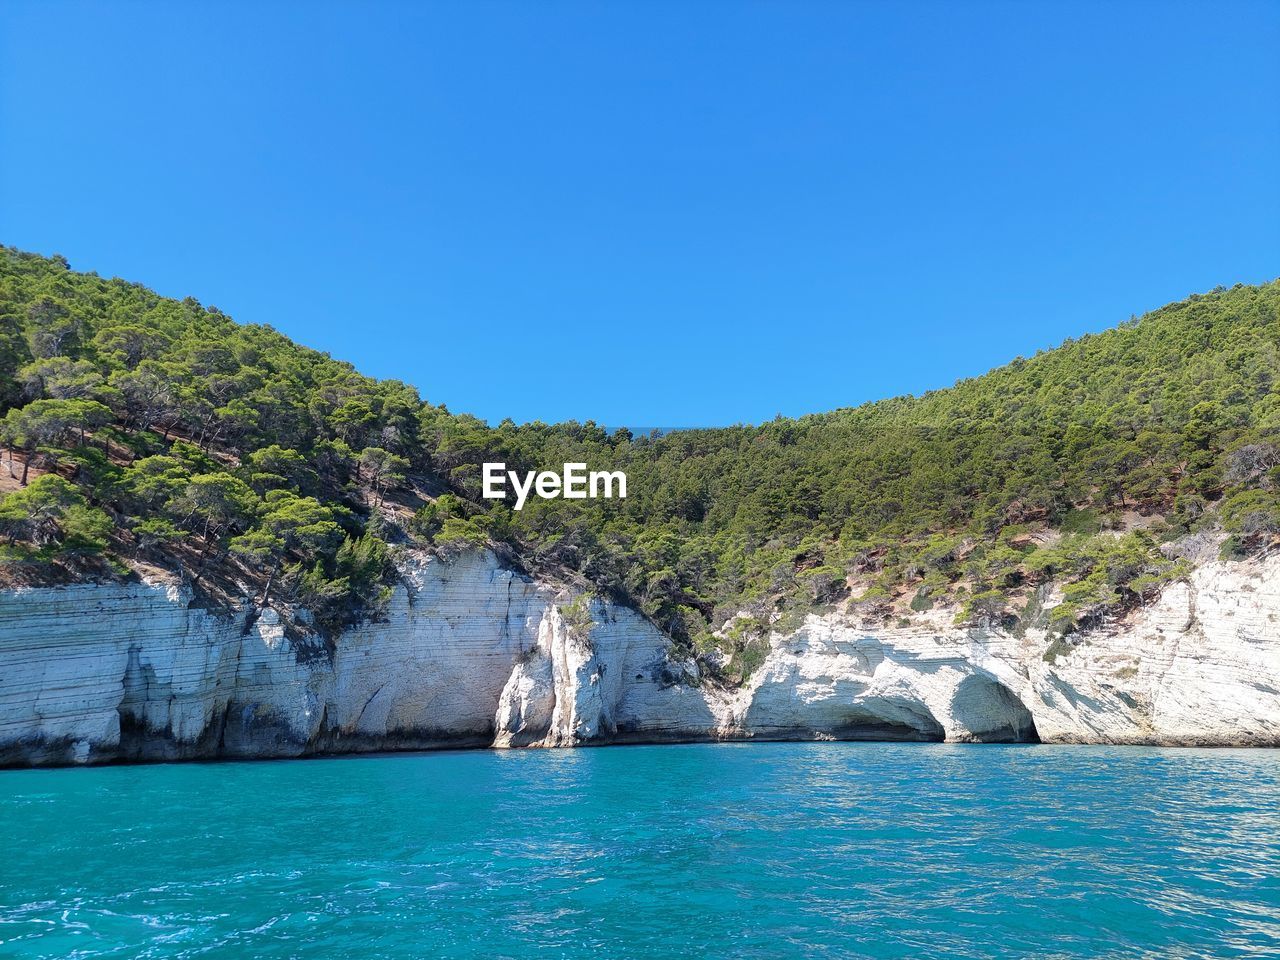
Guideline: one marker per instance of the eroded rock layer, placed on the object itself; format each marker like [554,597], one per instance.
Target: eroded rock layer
[471,654]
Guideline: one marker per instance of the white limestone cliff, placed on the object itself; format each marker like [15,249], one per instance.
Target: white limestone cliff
[471,654]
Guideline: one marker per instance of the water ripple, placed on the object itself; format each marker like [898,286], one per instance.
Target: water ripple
[778,850]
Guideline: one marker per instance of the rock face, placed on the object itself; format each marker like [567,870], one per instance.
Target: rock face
[1199,666]
[471,654]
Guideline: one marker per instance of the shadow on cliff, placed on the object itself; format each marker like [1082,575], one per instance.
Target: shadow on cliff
[991,713]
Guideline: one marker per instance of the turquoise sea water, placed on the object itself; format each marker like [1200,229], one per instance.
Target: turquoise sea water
[768,850]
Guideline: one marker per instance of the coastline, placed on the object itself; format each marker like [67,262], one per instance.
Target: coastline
[472,655]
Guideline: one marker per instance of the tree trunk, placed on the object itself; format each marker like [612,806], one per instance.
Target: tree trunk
[200,561]
[266,592]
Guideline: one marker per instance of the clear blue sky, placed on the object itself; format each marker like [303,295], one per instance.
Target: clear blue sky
[652,213]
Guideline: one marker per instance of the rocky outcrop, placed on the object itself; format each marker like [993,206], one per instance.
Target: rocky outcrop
[611,680]
[466,654]
[471,654]
[1200,666]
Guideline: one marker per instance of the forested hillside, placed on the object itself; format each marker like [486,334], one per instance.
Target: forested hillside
[144,430]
